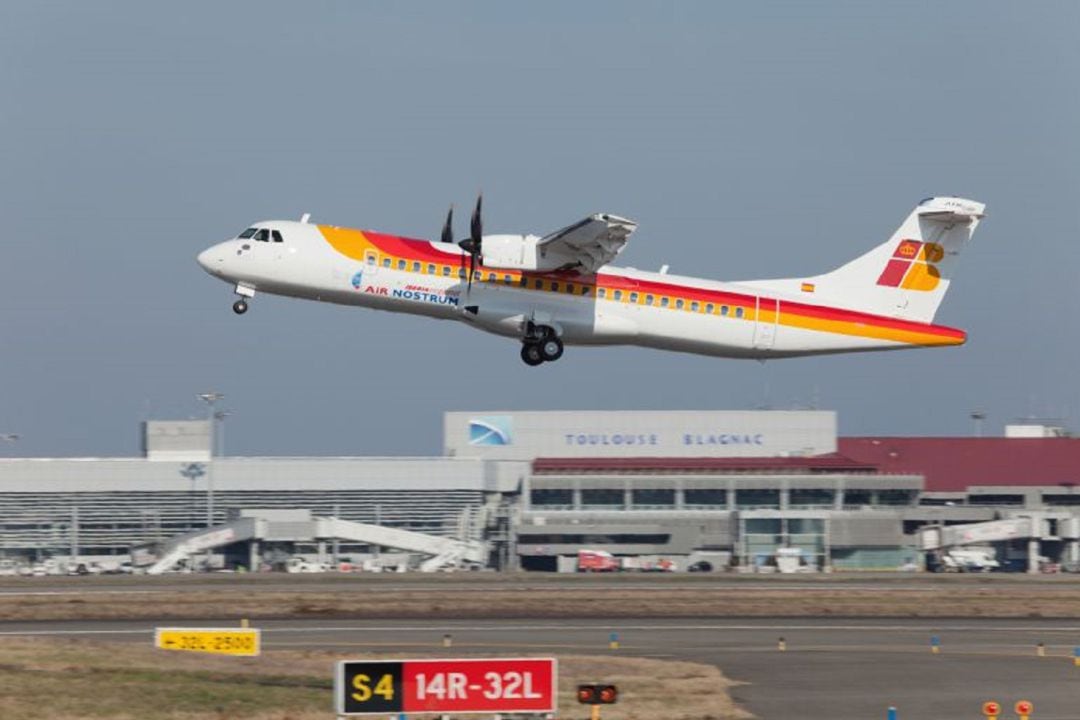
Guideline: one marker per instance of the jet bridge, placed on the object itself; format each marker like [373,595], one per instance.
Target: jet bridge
[441,552]
[934,537]
[1034,528]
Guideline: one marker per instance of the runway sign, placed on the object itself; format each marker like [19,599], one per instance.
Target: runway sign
[464,685]
[221,641]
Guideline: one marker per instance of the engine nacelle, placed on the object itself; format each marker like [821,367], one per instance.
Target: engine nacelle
[517,252]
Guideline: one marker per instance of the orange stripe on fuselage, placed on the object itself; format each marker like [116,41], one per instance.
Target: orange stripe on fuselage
[355,244]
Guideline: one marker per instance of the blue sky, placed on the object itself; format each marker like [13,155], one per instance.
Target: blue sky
[747,139]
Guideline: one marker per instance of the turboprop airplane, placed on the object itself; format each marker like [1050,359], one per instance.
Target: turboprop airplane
[558,289]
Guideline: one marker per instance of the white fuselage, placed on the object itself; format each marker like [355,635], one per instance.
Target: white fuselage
[612,306]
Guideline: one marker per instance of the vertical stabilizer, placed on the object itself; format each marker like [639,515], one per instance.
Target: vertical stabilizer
[906,277]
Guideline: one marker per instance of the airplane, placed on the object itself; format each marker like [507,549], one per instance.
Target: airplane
[549,291]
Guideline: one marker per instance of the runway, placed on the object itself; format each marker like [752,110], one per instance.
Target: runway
[830,670]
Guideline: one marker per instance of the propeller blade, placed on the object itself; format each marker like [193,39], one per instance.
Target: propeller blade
[476,227]
[448,227]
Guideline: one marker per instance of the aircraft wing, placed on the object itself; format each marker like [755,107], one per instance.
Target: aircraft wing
[588,245]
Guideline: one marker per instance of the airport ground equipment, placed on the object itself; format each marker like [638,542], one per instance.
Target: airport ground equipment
[441,552]
[446,685]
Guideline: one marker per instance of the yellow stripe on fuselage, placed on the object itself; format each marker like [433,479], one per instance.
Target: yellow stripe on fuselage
[350,243]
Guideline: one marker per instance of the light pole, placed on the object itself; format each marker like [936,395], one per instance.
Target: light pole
[211,399]
[977,416]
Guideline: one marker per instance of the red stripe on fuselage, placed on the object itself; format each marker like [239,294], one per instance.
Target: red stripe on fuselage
[422,250]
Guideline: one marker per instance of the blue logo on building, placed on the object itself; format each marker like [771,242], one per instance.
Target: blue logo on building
[357,279]
[492,430]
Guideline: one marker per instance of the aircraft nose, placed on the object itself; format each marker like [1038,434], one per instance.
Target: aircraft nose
[211,258]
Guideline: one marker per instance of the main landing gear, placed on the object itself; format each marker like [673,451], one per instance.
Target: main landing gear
[540,345]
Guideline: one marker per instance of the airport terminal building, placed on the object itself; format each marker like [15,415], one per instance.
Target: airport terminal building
[535,488]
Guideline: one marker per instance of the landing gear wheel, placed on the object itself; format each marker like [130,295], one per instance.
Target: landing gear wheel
[551,348]
[240,307]
[531,354]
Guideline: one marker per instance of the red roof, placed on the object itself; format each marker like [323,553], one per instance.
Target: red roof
[812,464]
[952,464]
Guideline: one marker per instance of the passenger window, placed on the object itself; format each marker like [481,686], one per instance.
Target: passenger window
[618,295]
[664,302]
[539,284]
[709,308]
[415,266]
[386,262]
[679,304]
[276,235]
[724,310]
[649,299]
[570,288]
[372,258]
[695,306]
[633,298]
[585,290]
[601,293]
[523,282]
[738,312]
[446,271]
[262,236]
[400,264]
[461,273]
[247,234]
[554,287]
[492,277]
[508,280]
[430,269]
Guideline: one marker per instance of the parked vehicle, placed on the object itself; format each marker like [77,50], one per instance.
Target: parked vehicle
[596,561]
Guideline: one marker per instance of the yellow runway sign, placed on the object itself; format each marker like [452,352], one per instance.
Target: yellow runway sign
[222,641]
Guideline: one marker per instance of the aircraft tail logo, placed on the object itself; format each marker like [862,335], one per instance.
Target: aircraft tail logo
[914,266]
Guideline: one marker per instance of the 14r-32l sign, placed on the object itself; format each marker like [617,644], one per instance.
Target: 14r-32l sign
[467,685]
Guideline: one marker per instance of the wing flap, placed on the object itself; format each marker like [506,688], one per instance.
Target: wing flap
[588,244]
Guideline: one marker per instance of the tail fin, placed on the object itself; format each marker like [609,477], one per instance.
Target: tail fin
[906,277]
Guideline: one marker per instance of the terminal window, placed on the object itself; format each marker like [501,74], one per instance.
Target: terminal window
[653,498]
[896,497]
[556,497]
[857,498]
[751,499]
[712,497]
[602,498]
[992,499]
[811,498]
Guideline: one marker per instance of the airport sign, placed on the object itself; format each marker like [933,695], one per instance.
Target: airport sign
[459,685]
[220,641]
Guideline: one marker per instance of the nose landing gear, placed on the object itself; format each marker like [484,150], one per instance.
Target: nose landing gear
[240,306]
[540,345]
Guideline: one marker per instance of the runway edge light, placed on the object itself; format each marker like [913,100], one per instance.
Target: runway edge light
[1023,709]
[991,709]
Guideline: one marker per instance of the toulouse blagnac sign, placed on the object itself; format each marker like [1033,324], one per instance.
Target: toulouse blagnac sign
[528,435]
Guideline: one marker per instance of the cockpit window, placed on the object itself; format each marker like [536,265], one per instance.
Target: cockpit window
[262,236]
[247,233]
[277,235]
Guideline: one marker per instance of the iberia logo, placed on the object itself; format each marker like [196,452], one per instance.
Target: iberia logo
[358,279]
[913,266]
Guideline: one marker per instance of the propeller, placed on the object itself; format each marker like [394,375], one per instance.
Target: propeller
[474,244]
[448,227]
